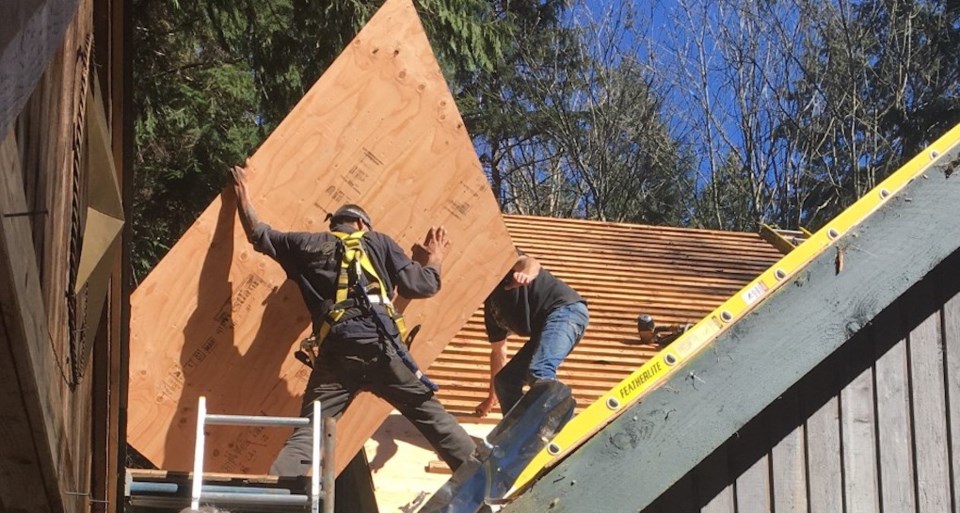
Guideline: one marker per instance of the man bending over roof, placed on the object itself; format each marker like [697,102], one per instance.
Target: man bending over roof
[530,302]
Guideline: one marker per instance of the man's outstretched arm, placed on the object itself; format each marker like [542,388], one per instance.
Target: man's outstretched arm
[498,358]
[248,215]
[419,276]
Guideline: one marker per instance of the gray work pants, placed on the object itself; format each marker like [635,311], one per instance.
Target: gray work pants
[336,379]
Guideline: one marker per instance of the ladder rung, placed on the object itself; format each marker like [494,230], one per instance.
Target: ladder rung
[263,503]
[255,499]
[243,489]
[198,493]
[255,420]
[137,487]
[153,487]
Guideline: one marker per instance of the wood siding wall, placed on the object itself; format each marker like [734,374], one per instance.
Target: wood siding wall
[61,422]
[873,429]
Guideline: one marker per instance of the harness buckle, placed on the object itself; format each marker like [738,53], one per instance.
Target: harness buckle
[309,351]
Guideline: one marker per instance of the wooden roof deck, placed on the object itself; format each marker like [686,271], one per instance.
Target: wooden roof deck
[677,275]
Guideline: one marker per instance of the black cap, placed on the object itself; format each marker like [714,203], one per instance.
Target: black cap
[350,211]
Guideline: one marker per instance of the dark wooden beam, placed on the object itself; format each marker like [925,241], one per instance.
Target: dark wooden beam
[643,452]
[109,371]
[30,32]
[28,395]
[121,113]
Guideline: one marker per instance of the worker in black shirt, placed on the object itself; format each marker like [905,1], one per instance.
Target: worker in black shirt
[358,338]
[533,303]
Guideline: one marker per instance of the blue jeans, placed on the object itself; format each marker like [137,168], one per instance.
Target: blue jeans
[539,358]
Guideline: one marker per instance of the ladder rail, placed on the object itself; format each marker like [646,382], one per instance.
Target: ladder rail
[315,460]
[198,454]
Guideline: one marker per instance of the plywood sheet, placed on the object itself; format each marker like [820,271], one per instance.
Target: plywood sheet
[380,128]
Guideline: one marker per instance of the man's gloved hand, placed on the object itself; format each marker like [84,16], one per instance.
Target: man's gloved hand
[433,248]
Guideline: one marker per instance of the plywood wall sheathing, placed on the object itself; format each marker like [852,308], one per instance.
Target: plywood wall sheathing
[380,128]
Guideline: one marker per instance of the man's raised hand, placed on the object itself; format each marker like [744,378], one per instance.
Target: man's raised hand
[433,248]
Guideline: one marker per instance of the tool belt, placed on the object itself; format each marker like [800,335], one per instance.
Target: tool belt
[356,281]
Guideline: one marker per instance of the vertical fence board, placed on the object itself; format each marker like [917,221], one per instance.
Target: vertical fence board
[858,430]
[823,463]
[951,343]
[712,480]
[788,461]
[750,460]
[926,367]
[894,431]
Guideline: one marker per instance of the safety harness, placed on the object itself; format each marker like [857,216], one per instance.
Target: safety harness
[356,280]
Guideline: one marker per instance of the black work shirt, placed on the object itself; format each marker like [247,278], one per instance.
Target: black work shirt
[523,310]
[312,260]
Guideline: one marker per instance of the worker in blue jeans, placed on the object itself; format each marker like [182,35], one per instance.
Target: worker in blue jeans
[530,302]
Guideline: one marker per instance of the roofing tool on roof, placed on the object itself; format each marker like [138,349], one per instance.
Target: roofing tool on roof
[650,333]
[692,341]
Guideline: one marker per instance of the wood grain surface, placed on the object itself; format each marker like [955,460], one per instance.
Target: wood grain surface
[30,395]
[380,128]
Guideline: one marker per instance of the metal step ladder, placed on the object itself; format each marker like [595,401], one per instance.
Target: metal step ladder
[241,493]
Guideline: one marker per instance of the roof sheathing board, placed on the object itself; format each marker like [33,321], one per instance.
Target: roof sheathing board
[678,275]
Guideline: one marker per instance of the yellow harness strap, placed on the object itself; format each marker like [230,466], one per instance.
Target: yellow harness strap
[354,259]
[354,255]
